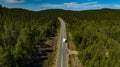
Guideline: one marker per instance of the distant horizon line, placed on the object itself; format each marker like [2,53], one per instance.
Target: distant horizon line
[58,9]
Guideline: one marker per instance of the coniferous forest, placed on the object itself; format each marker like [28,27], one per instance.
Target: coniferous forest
[95,33]
[20,31]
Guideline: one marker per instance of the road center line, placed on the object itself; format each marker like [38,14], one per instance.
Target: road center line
[62,44]
[62,61]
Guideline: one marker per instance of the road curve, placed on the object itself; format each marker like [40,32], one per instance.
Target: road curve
[62,51]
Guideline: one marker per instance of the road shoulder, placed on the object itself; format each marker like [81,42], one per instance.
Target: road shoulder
[72,53]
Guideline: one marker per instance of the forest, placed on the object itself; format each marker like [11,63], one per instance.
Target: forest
[20,31]
[95,33]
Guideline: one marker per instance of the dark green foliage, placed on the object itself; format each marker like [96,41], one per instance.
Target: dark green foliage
[19,31]
[96,35]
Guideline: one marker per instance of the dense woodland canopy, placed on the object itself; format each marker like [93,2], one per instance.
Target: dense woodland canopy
[20,30]
[95,33]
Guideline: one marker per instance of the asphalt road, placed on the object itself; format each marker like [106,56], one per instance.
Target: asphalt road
[62,51]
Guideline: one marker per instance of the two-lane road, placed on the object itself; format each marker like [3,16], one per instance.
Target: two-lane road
[62,51]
